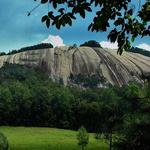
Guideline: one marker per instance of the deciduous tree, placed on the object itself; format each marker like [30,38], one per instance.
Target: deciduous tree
[128,23]
[83,137]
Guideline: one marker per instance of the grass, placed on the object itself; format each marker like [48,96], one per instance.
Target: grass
[25,138]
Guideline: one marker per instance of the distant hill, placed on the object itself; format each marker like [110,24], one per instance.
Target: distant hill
[139,51]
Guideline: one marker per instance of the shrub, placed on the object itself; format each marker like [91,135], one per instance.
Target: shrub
[83,137]
[3,142]
[98,136]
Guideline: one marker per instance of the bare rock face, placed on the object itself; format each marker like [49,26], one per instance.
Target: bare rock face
[61,62]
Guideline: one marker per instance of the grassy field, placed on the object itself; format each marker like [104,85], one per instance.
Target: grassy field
[22,138]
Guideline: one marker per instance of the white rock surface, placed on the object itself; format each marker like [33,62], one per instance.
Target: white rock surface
[60,62]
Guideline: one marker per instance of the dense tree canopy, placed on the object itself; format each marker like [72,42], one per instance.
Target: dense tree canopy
[128,23]
[2,53]
[28,97]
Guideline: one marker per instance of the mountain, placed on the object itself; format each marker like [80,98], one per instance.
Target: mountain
[84,65]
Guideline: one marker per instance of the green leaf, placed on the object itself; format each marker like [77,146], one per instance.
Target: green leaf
[132,39]
[113,35]
[90,26]
[50,13]
[44,1]
[69,21]
[82,13]
[58,24]
[119,21]
[44,18]
[51,16]
[71,15]
[89,9]
[120,50]
[55,5]
[48,23]
[61,10]
[130,12]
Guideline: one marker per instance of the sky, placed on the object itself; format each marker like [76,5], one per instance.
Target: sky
[18,30]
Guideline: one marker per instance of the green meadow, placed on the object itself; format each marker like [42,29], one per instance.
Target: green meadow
[32,138]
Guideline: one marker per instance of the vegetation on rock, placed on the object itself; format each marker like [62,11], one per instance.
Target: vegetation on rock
[91,43]
[92,81]
[28,48]
[2,53]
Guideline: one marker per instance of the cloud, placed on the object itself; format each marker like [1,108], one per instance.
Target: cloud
[144,46]
[54,40]
[106,44]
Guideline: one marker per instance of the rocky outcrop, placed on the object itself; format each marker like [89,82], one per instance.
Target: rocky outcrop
[61,62]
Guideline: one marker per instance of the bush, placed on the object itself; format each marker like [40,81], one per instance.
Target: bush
[2,53]
[3,142]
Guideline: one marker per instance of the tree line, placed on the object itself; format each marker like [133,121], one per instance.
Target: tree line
[28,48]
[90,43]
[139,51]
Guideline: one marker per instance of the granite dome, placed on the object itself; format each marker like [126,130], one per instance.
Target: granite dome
[61,62]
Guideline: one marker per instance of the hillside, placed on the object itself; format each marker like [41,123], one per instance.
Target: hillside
[71,64]
[139,51]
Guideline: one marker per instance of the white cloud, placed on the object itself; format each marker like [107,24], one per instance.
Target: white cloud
[54,40]
[144,46]
[106,44]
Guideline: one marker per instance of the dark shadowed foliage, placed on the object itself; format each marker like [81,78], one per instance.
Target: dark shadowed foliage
[3,142]
[91,43]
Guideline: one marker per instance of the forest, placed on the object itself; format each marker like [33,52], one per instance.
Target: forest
[28,97]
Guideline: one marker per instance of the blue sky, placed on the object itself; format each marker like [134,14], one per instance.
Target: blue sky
[19,30]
